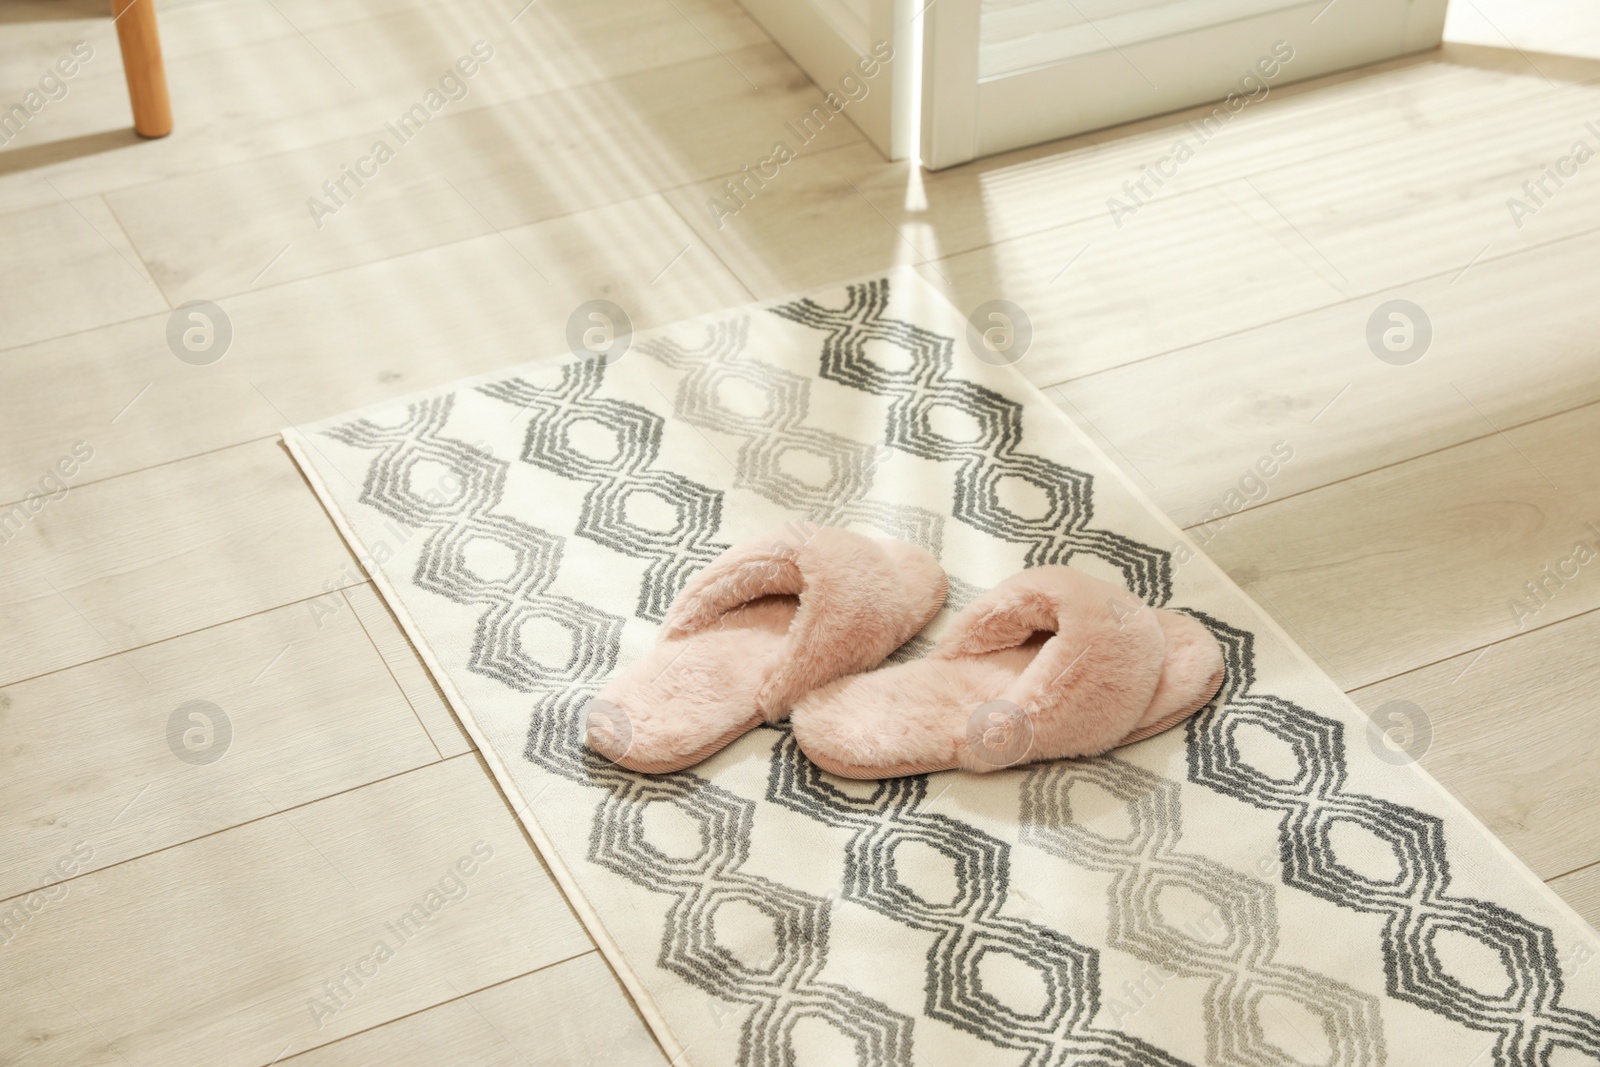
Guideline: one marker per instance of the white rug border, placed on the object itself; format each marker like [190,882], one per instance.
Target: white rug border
[675,1051]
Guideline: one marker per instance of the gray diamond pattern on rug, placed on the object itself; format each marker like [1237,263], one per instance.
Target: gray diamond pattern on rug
[1251,890]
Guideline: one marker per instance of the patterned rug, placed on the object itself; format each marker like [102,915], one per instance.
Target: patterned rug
[1268,885]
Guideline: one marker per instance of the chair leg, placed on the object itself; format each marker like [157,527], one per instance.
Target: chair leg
[141,60]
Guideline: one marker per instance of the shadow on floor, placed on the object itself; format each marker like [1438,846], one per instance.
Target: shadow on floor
[54,10]
[16,160]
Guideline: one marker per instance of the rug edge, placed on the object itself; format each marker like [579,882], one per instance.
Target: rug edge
[671,1047]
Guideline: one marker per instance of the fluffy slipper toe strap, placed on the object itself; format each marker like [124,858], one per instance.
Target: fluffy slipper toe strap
[854,606]
[744,573]
[1092,677]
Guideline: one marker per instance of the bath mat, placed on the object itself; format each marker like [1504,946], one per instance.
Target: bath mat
[1261,886]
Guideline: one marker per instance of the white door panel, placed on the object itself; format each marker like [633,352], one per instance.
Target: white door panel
[1002,74]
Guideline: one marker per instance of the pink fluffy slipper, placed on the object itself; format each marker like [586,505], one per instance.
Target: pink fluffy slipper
[1049,664]
[769,620]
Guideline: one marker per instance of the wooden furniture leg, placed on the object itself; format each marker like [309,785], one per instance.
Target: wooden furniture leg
[141,60]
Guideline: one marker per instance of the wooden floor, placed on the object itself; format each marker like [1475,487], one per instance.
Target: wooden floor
[156,908]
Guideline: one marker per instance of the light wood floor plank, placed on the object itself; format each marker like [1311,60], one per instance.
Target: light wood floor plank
[77,240]
[1186,267]
[130,561]
[1512,734]
[801,228]
[690,122]
[38,32]
[1193,423]
[556,44]
[1277,240]
[187,227]
[1005,197]
[460,176]
[408,671]
[282,93]
[1380,233]
[224,114]
[569,1015]
[1581,889]
[1419,562]
[102,764]
[311,349]
[312,15]
[723,22]
[217,953]
[1194,267]
[1212,253]
[468,173]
